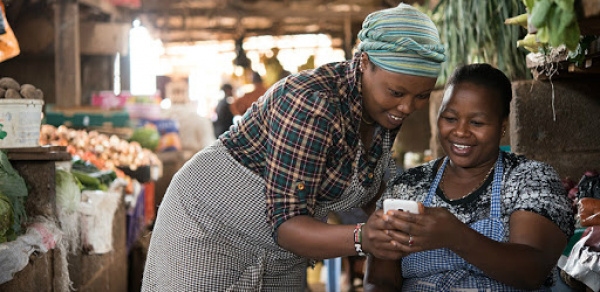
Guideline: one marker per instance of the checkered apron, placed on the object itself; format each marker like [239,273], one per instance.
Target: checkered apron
[442,269]
[356,195]
[211,232]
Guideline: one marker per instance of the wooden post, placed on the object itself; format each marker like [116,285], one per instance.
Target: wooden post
[66,51]
[348,36]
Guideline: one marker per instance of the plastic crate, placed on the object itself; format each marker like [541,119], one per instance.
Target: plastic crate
[86,116]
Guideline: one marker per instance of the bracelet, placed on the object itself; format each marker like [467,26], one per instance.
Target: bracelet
[358,239]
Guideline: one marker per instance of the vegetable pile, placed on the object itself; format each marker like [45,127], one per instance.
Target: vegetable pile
[550,23]
[97,157]
[10,88]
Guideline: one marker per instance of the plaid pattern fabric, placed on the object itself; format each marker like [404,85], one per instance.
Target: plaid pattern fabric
[444,270]
[196,246]
[302,138]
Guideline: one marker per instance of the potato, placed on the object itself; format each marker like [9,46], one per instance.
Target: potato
[2,92]
[39,94]
[11,93]
[9,83]
[28,91]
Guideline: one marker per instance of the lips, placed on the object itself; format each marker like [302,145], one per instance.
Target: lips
[460,149]
[395,120]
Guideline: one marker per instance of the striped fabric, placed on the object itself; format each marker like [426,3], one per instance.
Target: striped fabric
[302,138]
[402,40]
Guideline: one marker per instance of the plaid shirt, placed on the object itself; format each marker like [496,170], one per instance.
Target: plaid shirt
[302,137]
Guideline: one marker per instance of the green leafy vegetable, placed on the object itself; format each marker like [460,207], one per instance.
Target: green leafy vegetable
[7,217]
[13,186]
[68,194]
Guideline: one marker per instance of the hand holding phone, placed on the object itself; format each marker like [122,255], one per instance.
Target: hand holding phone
[402,205]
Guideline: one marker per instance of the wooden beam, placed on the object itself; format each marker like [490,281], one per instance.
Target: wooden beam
[103,6]
[67,59]
[104,38]
[269,12]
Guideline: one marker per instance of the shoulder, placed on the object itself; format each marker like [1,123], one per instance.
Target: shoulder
[416,175]
[312,92]
[535,186]
[412,184]
[325,78]
[520,167]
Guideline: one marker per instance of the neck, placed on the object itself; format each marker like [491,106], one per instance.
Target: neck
[458,182]
[366,120]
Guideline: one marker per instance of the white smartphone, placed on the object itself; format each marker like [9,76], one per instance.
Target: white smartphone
[402,205]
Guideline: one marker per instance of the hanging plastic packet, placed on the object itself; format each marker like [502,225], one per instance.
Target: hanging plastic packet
[9,46]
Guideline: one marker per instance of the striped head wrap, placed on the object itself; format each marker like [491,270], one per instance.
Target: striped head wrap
[402,40]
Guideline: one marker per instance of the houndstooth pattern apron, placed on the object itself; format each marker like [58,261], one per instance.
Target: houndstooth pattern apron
[212,234]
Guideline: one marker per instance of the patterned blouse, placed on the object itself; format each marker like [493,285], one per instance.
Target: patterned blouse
[302,138]
[527,185]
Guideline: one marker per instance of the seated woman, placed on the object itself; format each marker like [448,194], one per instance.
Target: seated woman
[490,220]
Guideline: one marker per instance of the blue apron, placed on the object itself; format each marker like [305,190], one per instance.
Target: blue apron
[442,269]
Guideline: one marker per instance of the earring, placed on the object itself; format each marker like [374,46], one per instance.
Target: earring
[503,132]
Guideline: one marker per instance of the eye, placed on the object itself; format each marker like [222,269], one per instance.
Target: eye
[449,119]
[423,96]
[396,93]
[477,123]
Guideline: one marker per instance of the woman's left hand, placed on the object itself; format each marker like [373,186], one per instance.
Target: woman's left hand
[432,229]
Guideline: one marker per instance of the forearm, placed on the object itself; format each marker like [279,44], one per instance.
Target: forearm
[382,275]
[518,265]
[309,237]
[370,207]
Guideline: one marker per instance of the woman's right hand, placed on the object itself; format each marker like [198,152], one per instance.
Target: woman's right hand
[376,239]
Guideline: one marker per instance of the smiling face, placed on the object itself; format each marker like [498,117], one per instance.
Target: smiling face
[388,98]
[470,125]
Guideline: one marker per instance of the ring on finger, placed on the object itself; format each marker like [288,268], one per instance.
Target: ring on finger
[411,240]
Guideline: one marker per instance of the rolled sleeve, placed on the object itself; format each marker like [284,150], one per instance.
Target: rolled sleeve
[296,155]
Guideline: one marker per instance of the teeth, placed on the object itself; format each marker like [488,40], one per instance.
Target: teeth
[396,118]
[461,146]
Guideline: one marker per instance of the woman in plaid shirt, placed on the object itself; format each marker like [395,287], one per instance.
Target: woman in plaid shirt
[248,212]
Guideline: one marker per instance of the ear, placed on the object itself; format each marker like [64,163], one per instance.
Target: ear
[364,61]
[504,126]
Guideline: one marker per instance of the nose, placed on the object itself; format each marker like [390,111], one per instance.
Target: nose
[407,105]
[461,129]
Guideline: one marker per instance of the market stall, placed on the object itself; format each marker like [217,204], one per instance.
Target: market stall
[74,201]
[122,149]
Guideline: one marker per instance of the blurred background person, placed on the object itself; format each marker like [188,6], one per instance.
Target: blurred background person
[224,116]
[240,105]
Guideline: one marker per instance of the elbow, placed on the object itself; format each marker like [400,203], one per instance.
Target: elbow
[532,281]
[532,284]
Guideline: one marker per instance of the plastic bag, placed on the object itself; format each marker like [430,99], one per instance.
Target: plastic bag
[14,255]
[593,241]
[97,211]
[589,211]
[9,47]
[589,186]
[583,264]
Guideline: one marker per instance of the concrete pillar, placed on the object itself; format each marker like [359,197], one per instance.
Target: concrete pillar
[566,137]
